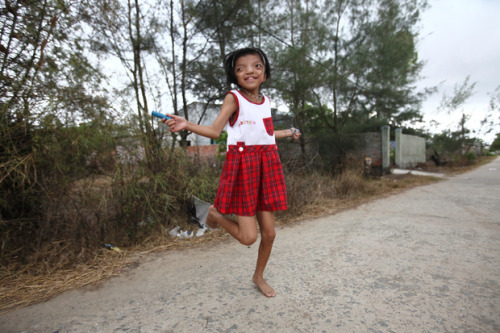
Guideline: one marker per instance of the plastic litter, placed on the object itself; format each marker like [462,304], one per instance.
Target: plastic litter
[185,234]
[199,212]
[174,232]
[177,232]
[112,247]
[200,232]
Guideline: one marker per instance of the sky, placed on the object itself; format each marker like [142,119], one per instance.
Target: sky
[460,38]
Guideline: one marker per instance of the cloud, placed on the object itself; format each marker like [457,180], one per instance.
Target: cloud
[460,38]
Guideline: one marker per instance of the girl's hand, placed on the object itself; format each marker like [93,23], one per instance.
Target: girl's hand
[176,123]
[295,133]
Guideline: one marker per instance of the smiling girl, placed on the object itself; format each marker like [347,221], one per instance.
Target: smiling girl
[252,185]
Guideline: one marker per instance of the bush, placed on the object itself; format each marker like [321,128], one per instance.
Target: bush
[37,168]
[80,193]
[310,185]
[71,194]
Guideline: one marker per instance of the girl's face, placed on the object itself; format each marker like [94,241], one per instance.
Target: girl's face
[250,72]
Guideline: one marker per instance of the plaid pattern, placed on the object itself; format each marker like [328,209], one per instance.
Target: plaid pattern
[252,180]
[268,124]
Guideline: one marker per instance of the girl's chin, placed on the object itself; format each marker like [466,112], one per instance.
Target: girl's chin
[250,85]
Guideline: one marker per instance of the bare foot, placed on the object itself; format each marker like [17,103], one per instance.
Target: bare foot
[266,289]
[212,217]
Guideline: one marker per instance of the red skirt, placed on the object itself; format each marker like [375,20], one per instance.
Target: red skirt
[252,180]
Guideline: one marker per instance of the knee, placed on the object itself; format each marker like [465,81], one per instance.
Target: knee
[268,236]
[248,239]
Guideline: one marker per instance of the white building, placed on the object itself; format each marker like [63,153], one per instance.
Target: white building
[207,115]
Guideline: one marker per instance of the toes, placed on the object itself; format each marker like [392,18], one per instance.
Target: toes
[265,289]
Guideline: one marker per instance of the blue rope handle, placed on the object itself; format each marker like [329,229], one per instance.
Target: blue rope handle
[160,115]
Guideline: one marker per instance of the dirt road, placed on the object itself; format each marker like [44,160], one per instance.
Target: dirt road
[427,260]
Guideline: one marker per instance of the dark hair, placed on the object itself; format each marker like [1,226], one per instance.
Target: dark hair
[231,58]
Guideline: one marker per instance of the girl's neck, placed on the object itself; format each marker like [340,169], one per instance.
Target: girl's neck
[257,97]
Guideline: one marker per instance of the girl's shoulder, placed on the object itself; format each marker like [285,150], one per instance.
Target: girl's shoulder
[230,104]
[232,97]
[233,93]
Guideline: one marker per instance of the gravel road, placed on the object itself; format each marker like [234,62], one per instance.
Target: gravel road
[427,260]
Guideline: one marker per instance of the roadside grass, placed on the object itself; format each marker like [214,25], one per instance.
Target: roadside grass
[311,196]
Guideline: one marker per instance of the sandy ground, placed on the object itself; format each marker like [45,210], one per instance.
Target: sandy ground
[427,260]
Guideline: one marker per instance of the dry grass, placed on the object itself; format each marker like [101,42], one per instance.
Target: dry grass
[23,286]
[20,287]
[362,192]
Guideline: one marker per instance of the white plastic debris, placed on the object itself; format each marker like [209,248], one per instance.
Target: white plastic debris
[200,212]
[174,232]
[200,232]
[185,234]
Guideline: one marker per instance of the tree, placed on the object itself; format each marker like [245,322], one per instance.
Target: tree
[491,119]
[345,48]
[454,102]
[446,142]
[454,141]
[298,37]
[224,26]
[494,106]
[495,145]
[122,30]
[45,74]
[373,61]
[43,57]
[191,66]
[48,88]
[394,64]
[172,66]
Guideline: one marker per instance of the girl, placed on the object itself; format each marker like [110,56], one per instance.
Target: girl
[252,185]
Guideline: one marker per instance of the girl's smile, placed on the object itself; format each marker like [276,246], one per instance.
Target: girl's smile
[250,72]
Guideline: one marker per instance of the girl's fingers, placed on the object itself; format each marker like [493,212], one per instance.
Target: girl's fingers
[295,133]
[175,125]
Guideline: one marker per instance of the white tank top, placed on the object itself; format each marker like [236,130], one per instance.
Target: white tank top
[252,123]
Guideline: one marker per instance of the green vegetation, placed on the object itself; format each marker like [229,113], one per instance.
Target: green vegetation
[495,145]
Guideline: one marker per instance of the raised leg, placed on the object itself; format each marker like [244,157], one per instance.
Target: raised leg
[244,230]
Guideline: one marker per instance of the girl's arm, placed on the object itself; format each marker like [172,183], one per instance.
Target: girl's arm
[213,131]
[288,133]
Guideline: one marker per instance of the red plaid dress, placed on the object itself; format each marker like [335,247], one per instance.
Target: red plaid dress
[252,177]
